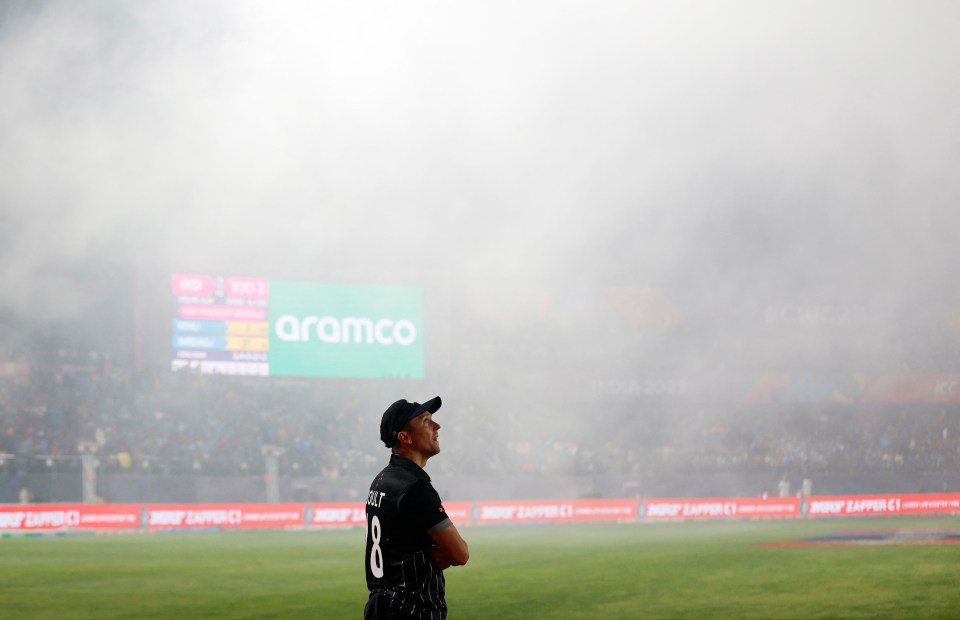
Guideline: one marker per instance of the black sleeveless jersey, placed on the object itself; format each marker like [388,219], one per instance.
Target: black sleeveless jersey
[402,509]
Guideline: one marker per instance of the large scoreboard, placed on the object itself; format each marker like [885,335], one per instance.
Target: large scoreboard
[255,326]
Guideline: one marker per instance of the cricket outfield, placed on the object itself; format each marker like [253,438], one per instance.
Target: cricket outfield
[729,569]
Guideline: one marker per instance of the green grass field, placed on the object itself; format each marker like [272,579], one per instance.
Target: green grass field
[677,570]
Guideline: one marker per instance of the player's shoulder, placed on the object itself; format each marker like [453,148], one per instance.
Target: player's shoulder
[421,491]
[393,476]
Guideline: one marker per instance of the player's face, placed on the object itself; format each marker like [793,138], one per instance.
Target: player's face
[425,434]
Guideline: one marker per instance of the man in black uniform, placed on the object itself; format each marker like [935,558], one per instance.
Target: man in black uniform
[410,538]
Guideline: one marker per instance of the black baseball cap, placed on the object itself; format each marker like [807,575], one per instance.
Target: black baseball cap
[399,413]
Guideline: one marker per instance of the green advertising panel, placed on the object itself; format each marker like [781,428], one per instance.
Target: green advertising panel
[345,330]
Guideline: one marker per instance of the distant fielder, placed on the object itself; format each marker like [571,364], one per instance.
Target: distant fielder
[410,538]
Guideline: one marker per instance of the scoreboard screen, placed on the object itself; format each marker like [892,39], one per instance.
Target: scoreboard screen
[261,327]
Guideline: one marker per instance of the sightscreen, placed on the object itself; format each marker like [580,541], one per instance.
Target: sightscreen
[262,327]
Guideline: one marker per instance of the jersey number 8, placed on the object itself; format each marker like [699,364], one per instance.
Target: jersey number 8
[376,553]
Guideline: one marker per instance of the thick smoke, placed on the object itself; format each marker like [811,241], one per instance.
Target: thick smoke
[572,184]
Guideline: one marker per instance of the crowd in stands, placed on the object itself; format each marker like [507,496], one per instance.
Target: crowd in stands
[160,422]
[805,439]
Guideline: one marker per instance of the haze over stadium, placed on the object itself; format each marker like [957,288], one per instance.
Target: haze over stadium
[622,216]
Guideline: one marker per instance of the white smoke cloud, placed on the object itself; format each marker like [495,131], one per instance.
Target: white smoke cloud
[786,151]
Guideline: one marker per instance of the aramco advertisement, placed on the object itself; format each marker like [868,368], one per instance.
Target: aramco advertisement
[261,327]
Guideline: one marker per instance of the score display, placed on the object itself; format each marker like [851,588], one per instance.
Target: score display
[261,327]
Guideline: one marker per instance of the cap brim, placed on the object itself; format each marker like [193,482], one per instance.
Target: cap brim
[431,405]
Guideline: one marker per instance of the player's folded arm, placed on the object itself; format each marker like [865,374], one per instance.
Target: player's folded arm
[448,538]
[423,504]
